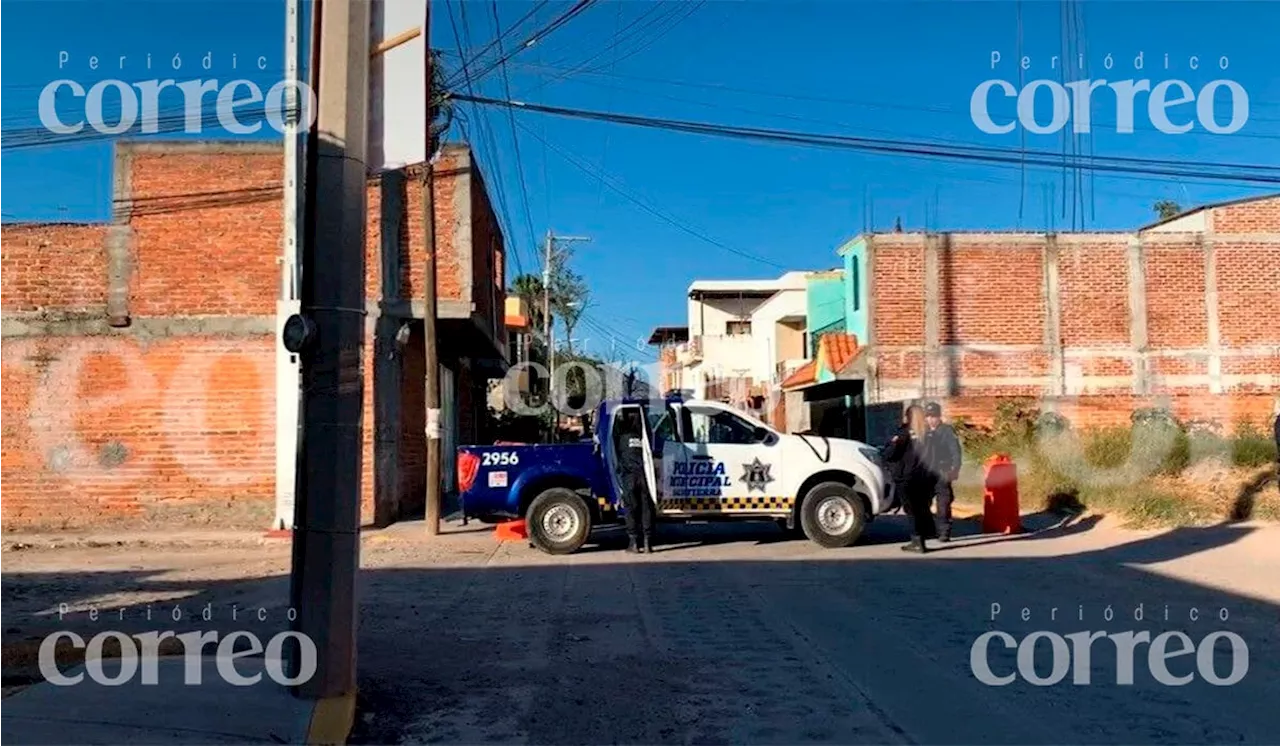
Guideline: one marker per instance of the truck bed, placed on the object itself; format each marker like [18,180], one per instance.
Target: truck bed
[494,481]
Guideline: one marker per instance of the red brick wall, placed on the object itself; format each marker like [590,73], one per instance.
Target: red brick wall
[992,310]
[1175,282]
[98,426]
[897,304]
[61,267]
[1093,287]
[1248,293]
[111,426]
[213,261]
[1105,411]
[991,295]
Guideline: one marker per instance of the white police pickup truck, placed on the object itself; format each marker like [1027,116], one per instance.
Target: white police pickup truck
[704,461]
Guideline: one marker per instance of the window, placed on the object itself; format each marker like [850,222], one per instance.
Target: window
[706,425]
[737,328]
[662,424]
[855,292]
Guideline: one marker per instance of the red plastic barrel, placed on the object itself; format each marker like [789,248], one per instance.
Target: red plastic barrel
[1000,510]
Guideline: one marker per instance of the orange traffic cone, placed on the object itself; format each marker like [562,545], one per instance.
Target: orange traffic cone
[511,531]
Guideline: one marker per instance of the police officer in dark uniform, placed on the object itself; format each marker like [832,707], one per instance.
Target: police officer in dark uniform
[628,440]
[913,482]
[943,456]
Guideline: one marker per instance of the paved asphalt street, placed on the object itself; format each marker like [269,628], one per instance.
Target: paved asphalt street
[732,635]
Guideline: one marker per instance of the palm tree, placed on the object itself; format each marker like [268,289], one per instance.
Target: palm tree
[1166,208]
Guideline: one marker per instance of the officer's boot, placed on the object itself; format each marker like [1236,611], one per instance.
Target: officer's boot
[632,545]
[648,543]
[916,545]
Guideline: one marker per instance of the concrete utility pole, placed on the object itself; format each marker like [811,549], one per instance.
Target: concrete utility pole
[287,368]
[328,335]
[391,334]
[431,313]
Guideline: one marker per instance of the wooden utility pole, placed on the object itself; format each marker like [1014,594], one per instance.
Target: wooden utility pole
[328,336]
[431,312]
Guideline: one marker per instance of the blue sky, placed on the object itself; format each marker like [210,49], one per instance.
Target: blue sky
[879,69]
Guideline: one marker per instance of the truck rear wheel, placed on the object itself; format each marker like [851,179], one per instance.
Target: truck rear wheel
[558,520]
[832,515]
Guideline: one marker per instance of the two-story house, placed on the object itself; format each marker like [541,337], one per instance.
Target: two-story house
[743,337]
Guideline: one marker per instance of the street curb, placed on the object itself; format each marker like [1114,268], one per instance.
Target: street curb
[332,720]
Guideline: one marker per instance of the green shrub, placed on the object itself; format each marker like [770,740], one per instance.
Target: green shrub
[1154,416]
[1108,447]
[1016,419]
[1051,423]
[1205,445]
[972,437]
[1178,456]
[1252,450]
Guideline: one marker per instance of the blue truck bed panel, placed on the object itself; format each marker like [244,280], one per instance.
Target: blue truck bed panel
[496,480]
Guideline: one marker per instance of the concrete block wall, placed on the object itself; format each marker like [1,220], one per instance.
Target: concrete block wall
[1097,322]
[170,418]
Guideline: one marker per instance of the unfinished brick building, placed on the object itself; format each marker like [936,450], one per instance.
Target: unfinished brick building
[139,356]
[1179,314]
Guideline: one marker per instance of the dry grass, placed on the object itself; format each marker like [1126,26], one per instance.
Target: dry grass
[1205,493]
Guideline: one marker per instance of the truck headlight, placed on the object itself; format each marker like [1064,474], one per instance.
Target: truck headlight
[871,454]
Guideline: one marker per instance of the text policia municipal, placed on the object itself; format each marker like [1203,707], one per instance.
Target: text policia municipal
[1075,100]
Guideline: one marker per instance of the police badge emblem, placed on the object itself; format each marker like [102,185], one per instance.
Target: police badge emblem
[756,475]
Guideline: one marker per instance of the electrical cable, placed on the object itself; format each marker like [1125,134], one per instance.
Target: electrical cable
[555,24]
[609,182]
[515,138]
[1238,172]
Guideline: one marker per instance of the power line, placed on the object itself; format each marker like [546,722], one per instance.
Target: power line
[497,40]
[648,207]
[815,98]
[515,138]
[1236,172]
[689,8]
[555,24]
[684,11]
[485,138]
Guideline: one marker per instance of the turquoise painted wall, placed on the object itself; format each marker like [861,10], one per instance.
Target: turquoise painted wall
[856,302]
[825,306]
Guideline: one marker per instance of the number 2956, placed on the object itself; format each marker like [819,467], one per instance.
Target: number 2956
[501,458]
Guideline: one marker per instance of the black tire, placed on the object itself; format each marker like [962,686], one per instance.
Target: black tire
[833,515]
[558,521]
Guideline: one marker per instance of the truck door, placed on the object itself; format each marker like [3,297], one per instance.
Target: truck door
[667,452]
[731,462]
[612,458]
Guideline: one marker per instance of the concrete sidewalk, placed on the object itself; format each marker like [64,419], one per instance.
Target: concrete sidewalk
[211,712]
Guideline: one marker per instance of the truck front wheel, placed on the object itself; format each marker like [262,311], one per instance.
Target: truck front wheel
[558,521]
[832,515]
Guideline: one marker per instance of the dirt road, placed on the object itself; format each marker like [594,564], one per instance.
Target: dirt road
[731,634]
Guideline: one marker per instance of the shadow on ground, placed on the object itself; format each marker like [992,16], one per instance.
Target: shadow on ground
[836,646]
[1246,501]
